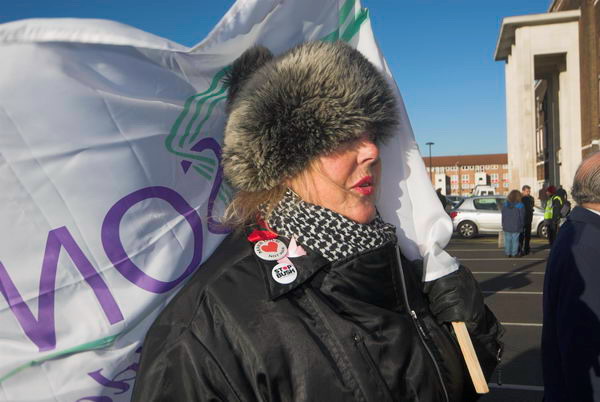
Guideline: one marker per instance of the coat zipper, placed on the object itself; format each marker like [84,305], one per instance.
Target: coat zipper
[359,342]
[308,300]
[420,330]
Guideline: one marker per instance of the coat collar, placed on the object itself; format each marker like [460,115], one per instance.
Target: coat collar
[305,266]
[580,214]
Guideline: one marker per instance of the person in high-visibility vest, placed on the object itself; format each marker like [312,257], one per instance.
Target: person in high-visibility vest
[552,212]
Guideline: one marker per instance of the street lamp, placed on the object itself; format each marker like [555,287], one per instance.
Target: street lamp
[429,144]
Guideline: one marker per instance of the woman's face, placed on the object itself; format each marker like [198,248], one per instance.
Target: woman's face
[345,182]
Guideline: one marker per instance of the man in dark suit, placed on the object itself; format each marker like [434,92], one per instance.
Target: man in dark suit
[571,330]
[525,236]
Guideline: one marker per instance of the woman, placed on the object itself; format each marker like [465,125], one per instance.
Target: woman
[513,220]
[309,298]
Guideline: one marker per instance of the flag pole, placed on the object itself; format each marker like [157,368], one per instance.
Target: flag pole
[466,347]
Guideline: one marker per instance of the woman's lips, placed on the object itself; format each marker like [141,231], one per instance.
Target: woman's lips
[364,186]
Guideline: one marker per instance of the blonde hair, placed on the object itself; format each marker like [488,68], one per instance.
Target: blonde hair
[246,207]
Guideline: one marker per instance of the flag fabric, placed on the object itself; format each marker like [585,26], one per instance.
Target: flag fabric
[111,183]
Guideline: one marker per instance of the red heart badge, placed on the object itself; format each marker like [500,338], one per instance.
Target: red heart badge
[270,250]
[270,247]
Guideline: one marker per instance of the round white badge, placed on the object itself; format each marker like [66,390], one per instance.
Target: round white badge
[270,250]
[284,273]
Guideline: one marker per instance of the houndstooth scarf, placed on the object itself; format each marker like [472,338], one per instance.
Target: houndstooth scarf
[332,235]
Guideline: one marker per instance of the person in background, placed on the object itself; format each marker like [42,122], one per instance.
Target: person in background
[552,213]
[442,198]
[543,196]
[565,207]
[571,329]
[525,236]
[513,215]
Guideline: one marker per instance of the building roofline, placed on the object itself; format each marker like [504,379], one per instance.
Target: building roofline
[510,25]
[466,160]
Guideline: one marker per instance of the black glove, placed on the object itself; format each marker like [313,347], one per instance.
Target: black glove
[457,297]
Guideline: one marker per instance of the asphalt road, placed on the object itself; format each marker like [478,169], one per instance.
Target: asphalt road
[512,289]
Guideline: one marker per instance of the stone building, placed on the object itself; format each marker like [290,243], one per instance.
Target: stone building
[458,175]
[552,91]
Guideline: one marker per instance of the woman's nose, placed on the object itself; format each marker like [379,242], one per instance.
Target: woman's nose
[368,151]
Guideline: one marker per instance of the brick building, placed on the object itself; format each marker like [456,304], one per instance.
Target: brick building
[458,175]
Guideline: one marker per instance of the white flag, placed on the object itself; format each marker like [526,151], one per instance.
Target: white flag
[110,182]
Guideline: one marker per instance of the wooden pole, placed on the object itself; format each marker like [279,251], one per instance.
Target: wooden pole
[466,347]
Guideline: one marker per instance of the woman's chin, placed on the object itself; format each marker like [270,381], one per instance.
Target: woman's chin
[365,213]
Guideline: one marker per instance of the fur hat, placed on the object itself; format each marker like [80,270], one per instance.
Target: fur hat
[285,111]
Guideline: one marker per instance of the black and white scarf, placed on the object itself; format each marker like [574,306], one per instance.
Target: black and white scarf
[332,235]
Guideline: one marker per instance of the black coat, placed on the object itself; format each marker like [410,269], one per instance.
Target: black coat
[528,204]
[571,330]
[357,330]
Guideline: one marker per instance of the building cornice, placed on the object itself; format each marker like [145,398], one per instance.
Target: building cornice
[510,24]
[467,160]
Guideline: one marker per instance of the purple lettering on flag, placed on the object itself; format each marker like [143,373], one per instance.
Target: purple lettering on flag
[210,143]
[115,251]
[120,384]
[42,331]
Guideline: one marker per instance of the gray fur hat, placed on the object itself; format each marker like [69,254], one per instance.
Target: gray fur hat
[285,111]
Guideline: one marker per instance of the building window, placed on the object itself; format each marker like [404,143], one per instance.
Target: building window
[495,185]
[505,176]
[505,185]
[494,167]
[454,178]
[494,177]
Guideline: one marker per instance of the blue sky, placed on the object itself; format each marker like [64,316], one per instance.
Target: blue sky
[440,52]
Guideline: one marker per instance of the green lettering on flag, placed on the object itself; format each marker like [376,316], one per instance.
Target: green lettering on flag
[97,344]
[208,114]
[354,26]
[199,105]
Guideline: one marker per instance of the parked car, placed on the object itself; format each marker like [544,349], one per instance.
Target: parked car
[483,214]
[455,200]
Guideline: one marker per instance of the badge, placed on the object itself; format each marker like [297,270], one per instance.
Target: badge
[270,250]
[294,249]
[284,273]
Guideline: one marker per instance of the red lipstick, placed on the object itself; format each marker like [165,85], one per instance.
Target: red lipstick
[364,186]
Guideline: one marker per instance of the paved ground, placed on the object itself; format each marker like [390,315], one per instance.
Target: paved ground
[513,290]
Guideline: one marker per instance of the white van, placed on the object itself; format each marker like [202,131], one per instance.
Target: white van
[483,190]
